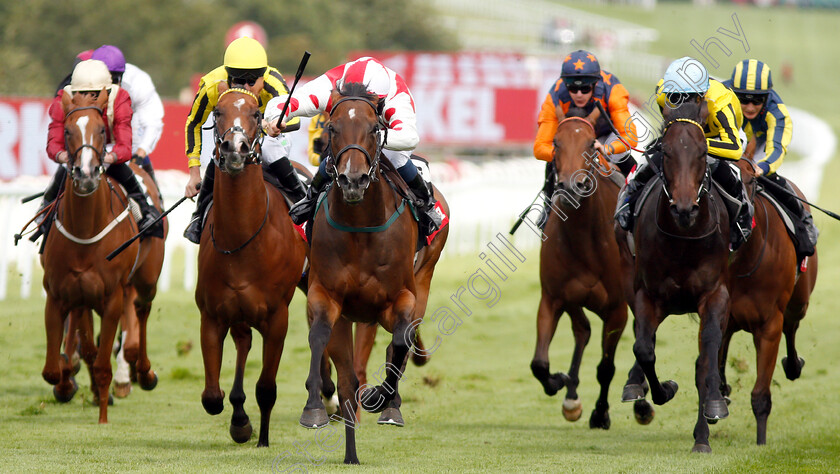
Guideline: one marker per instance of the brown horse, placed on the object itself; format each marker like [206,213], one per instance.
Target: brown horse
[362,253]
[580,265]
[92,219]
[681,265]
[762,282]
[250,261]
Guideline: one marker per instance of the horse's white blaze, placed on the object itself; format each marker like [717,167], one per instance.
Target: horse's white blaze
[239,103]
[239,137]
[87,153]
[352,113]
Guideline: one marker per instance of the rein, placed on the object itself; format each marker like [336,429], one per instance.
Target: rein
[228,252]
[373,162]
[714,229]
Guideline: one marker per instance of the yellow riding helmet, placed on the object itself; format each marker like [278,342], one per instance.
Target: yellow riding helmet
[245,53]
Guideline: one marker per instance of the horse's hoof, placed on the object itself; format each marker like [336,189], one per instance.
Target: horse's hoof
[331,404]
[555,383]
[701,448]
[643,411]
[351,460]
[66,397]
[419,360]
[314,418]
[669,387]
[792,372]
[598,420]
[148,381]
[391,416]
[632,392]
[715,410]
[213,405]
[374,400]
[122,390]
[572,409]
[241,434]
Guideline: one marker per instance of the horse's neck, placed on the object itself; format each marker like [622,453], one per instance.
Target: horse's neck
[593,211]
[85,216]
[377,206]
[239,202]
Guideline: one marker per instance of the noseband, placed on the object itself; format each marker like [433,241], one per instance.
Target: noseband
[374,161]
[73,156]
[255,146]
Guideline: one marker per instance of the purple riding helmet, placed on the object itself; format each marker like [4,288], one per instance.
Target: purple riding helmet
[111,56]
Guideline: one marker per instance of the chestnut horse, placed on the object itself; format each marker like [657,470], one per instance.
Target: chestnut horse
[762,283]
[250,261]
[580,265]
[362,263]
[681,265]
[92,218]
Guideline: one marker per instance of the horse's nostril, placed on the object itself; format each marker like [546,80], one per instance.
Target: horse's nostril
[343,180]
[364,181]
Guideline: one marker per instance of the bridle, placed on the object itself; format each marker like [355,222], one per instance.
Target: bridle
[253,157]
[373,162]
[705,184]
[75,170]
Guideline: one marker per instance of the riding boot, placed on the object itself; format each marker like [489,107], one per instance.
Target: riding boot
[303,210]
[283,170]
[430,218]
[629,194]
[625,164]
[741,225]
[547,193]
[205,195]
[122,173]
[49,196]
[146,164]
[806,231]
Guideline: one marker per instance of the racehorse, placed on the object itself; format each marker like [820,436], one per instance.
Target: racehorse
[762,282]
[250,261]
[361,255]
[91,220]
[681,265]
[580,265]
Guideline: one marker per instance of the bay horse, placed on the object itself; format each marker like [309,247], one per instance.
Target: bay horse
[763,281]
[250,261]
[681,265]
[92,218]
[362,263]
[580,265]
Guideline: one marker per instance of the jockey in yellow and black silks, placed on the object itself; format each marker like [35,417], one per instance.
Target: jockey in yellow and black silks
[686,80]
[245,64]
[769,128]
[582,84]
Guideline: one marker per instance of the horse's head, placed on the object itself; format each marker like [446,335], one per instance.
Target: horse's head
[574,152]
[237,129]
[684,168]
[84,138]
[354,139]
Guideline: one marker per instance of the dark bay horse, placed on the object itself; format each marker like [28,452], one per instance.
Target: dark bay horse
[580,265]
[362,264]
[762,284]
[93,217]
[681,265]
[250,261]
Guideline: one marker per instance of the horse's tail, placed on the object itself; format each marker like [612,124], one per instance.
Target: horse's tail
[419,355]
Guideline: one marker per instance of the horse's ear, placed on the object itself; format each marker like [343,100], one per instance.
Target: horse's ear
[258,86]
[560,114]
[102,100]
[223,86]
[380,106]
[704,110]
[66,102]
[594,116]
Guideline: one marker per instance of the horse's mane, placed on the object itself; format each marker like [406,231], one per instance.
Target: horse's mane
[356,89]
[576,112]
[687,110]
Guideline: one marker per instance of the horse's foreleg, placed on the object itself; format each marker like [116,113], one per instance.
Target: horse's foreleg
[363,345]
[766,343]
[240,425]
[614,322]
[212,343]
[273,342]
[792,363]
[87,346]
[323,312]
[102,365]
[341,352]
[71,342]
[67,387]
[582,331]
[648,318]
[547,317]
[376,399]
[145,375]
[54,322]
[714,314]
[725,389]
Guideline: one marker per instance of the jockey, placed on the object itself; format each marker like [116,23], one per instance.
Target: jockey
[90,77]
[398,112]
[147,119]
[768,124]
[245,67]
[687,80]
[581,84]
[79,58]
